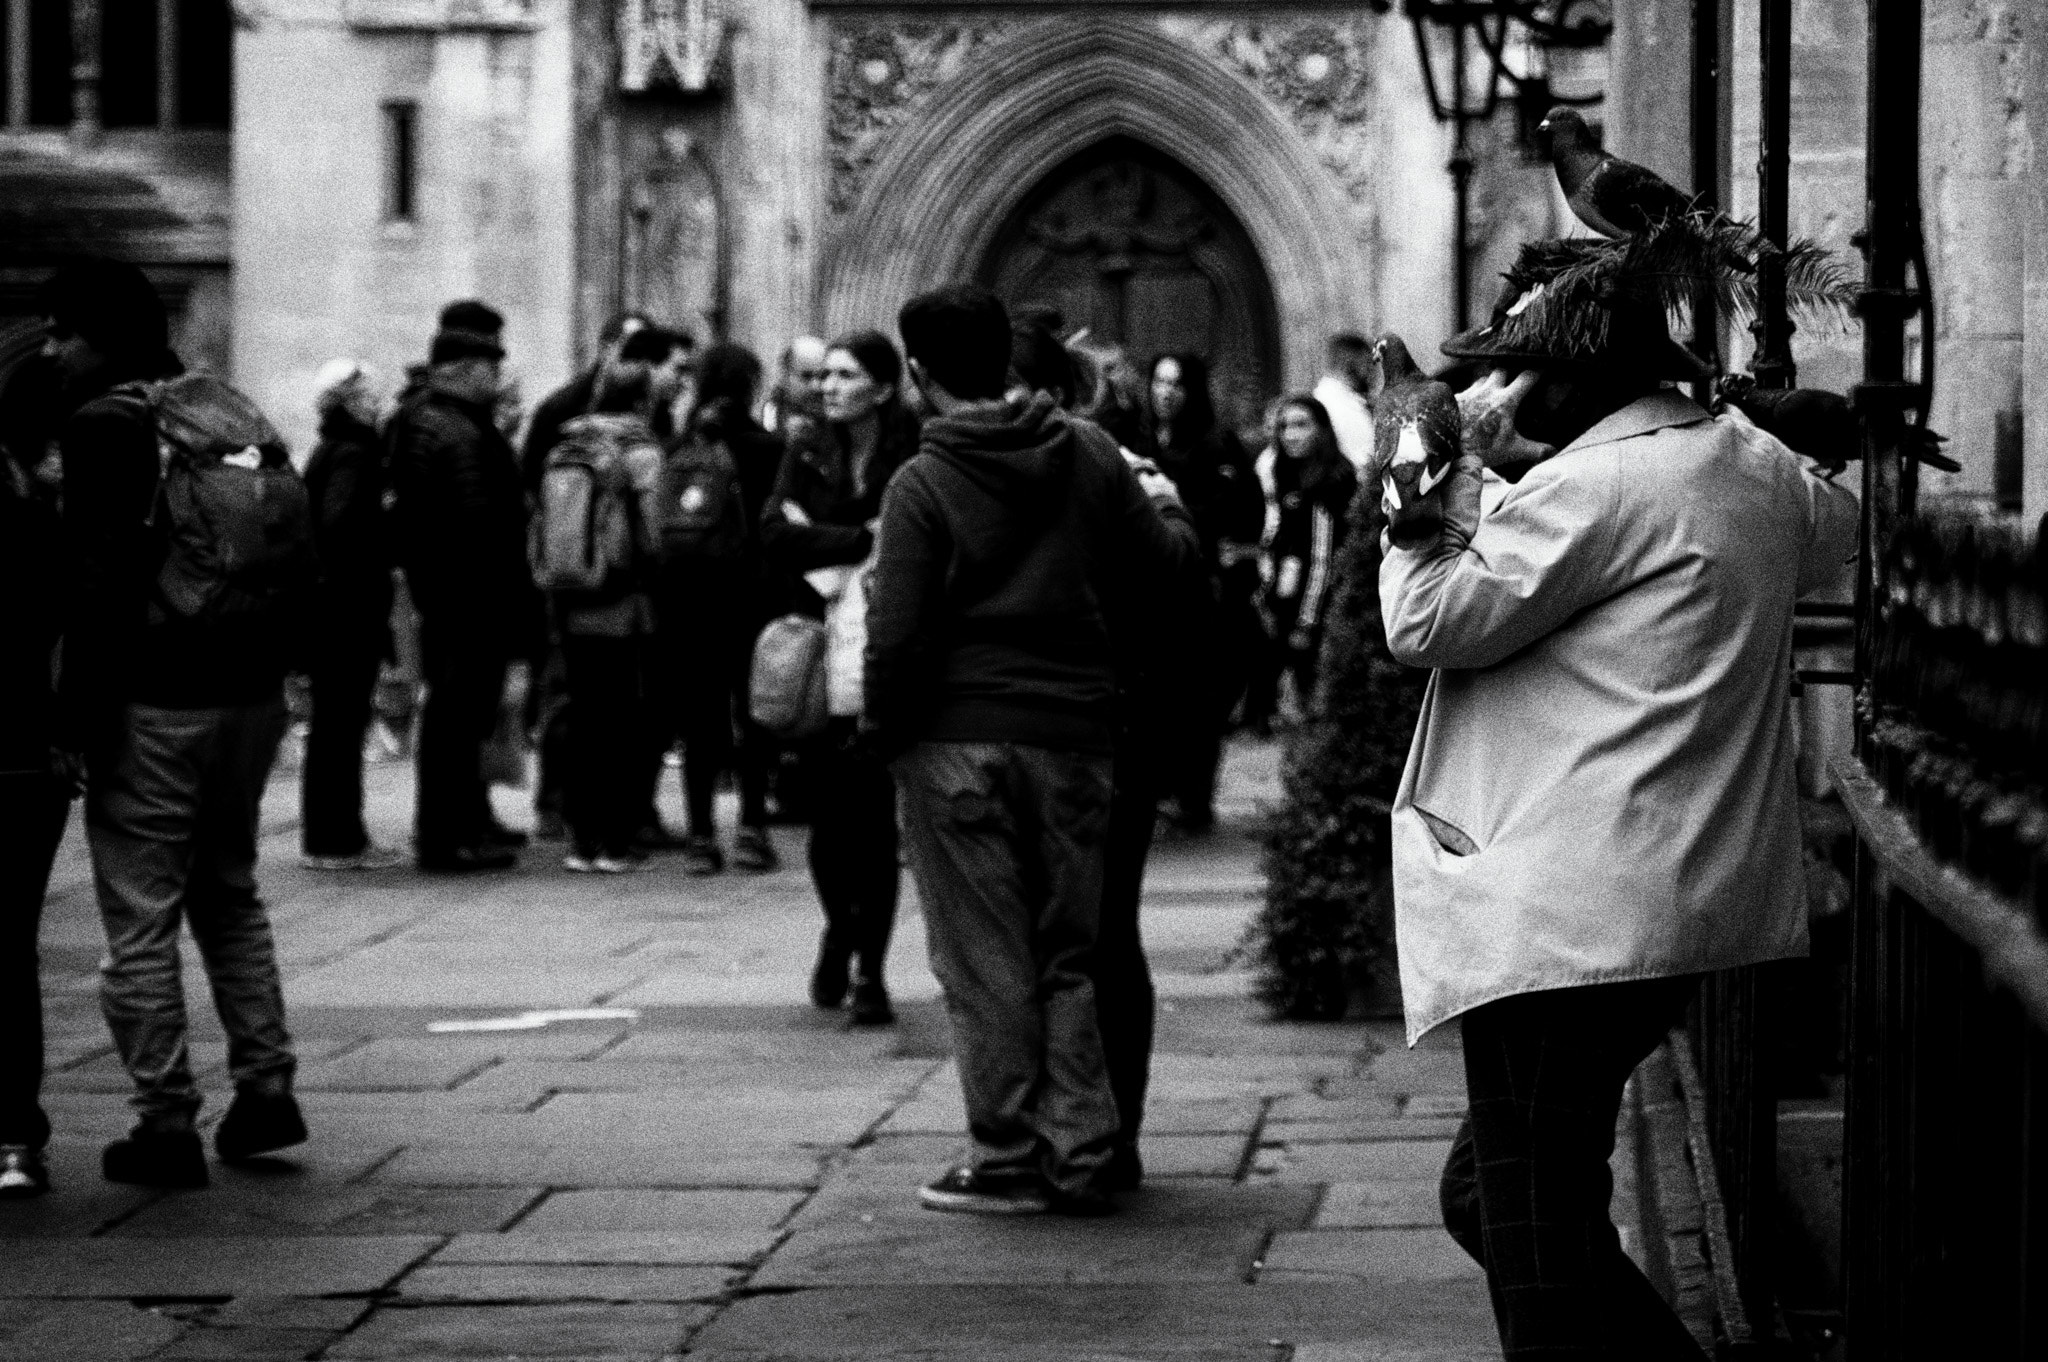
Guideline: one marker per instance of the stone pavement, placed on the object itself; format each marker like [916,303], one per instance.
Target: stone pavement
[702,1165]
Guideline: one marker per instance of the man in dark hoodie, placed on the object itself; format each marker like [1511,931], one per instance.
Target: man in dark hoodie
[177,718]
[990,678]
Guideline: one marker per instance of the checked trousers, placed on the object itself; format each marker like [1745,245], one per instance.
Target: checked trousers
[1527,1187]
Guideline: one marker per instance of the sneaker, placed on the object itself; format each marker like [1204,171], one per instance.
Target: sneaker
[22,1174]
[149,1157]
[753,852]
[871,1004]
[701,855]
[596,863]
[829,978]
[258,1123]
[608,864]
[371,857]
[964,1190]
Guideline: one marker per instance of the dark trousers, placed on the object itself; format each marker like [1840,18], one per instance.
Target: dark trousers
[33,808]
[853,848]
[172,820]
[710,686]
[465,682]
[1124,1001]
[1527,1187]
[1007,844]
[549,703]
[607,685]
[331,780]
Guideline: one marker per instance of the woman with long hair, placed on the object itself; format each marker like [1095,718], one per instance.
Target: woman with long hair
[1221,493]
[713,600]
[1308,485]
[821,516]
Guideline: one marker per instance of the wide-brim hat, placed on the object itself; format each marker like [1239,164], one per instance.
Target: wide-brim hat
[1607,304]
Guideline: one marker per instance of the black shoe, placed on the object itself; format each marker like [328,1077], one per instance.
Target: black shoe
[963,1189]
[701,855]
[463,860]
[753,852]
[258,1123]
[496,834]
[1126,1171]
[828,980]
[156,1158]
[22,1173]
[871,1004]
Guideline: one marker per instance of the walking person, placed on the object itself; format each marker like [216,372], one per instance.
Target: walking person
[460,516]
[713,600]
[351,632]
[1599,806]
[175,706]
[990,681]
[1221,492]
[820,522]
[597,558]
[36,788]
[1309,485]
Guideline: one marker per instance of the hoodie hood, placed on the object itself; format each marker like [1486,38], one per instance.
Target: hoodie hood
[1012,467]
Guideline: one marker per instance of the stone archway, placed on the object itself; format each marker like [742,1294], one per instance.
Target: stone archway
[951,177]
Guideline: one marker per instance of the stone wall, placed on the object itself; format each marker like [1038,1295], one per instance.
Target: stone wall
[320,272]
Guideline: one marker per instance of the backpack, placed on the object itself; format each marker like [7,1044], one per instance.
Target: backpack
[786,688]
[591,531]
[702,515]
[237,523]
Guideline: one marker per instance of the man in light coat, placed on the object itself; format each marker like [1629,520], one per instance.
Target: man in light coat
[1599,804]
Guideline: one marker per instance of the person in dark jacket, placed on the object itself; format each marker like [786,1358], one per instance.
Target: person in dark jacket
[461,527]
[821,515]
[35,789]
[1309,485]
[991,682]
[1221,492]
[713,599]
[351,634]
[177,719]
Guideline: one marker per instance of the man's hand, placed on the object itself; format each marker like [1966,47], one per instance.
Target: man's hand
[1151,481]
[1488,408]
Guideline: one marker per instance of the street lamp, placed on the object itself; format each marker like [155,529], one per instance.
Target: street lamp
[1538,27]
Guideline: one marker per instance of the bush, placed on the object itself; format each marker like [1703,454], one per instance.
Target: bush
[1328,915]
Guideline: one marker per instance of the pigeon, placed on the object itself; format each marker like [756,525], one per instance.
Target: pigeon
[1415,438]
[1820,424]
[1616,198]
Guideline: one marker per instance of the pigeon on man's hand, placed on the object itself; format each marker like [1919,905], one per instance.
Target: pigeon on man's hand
[1616,198]
[1415,436]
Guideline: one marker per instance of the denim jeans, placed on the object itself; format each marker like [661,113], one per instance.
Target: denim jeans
[171,819]
[33,808]
[1007,844]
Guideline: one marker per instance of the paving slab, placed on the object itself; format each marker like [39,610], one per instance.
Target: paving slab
[251,1209]
[1205,1156]
[1058,1324]
[1377,1352]
[1345,1131]
[739,1115]
[1354,1161]
[519,1282]
[1375,1255]
[249,1328]
[125,1268]
[397,1064]
[102,1331]
[870,1229]
[1233,1116]
[597,1163]
[561,1332]
[1380,1205]
[700,1212]
[1312,1106]
[652,1248]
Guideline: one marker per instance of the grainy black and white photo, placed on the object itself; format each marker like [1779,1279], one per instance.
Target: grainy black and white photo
[1023,681]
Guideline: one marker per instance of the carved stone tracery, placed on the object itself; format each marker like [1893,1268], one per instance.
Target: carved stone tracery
[879,71]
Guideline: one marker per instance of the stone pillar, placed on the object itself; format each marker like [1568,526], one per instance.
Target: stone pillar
[85,71]
[1974,198]
[1649,77]
[2032,61]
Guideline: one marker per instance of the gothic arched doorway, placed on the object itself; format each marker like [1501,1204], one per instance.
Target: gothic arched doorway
[1128,243]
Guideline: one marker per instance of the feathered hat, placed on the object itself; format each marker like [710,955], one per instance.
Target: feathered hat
[1608,303]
